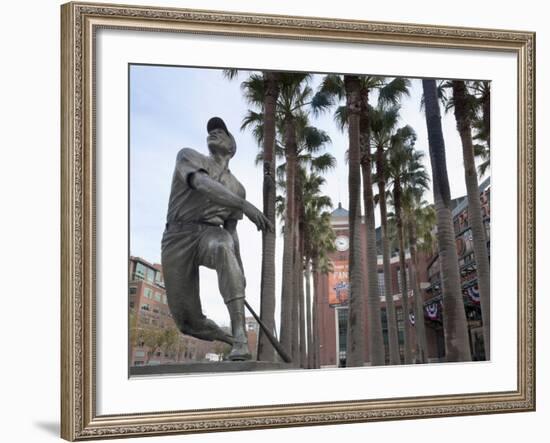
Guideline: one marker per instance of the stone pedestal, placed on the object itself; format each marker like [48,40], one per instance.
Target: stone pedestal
[208,367]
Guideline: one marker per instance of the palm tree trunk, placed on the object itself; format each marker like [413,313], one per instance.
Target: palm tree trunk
[419,326]
[393,337]
[301,304]
[403,272]
[475,217]
[298,338]
[355,353]
[375,337]
[315,314]
[296,326]
[267,287]
[307,277]
[457,346]
[287,292]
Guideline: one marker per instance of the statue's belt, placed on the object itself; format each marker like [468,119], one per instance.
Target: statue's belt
[188,226]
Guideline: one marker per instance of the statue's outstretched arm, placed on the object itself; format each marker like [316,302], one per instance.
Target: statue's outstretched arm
[219,194]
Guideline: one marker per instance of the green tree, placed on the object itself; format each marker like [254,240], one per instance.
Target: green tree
[169,339]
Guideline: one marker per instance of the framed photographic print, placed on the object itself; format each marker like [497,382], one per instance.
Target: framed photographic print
[280,221]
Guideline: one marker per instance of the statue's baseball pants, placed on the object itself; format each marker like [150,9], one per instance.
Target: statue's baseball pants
[183,251]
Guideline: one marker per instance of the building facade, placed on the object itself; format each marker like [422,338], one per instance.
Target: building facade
[468,276]
[154,337]
[332,291]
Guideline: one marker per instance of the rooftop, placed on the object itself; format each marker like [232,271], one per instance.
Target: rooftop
[340,212]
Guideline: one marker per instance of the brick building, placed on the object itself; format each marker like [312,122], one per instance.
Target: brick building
[331,304]
[154,338]
[468,276]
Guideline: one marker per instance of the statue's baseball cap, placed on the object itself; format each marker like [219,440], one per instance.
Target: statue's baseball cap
[216,123]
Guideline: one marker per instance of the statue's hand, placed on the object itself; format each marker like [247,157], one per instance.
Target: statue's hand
[257,217]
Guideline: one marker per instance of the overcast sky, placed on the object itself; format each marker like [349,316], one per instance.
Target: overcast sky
[169,108]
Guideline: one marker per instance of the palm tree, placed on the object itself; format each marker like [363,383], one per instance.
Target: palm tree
[293,96]
[464,109]
[317,233]
[382,123]
[355,353]
[322,239]
[356,90]
[419,216]
[310,141]
[376,342]
[454,318]
[264,96]
[333,89]
[405,171]
[481,122]
[310,206]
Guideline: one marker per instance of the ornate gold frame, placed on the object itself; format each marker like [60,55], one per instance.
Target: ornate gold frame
[79,420]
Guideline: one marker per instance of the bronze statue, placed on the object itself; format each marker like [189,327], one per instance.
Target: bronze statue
[206,202]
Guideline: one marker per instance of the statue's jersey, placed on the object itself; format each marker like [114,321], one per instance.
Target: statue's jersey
[186,205]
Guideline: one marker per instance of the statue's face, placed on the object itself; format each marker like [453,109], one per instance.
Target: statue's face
[221,142]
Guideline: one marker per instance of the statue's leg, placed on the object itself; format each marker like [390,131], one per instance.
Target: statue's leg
[181,279]
[217,251]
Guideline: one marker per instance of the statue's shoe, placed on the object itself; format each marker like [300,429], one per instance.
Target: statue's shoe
[239,352]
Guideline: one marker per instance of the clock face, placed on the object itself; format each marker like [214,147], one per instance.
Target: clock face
[342,243]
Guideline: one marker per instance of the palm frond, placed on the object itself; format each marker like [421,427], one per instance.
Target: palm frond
[230,74]
[392,91]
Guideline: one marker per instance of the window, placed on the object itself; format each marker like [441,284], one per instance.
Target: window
[342,335]
[399,315]
[145,307]
[158,277]
[133,290]
[148,293]
[158,296]
[150,275]
[164,299]
[381,284]
[140,271]
[400,330]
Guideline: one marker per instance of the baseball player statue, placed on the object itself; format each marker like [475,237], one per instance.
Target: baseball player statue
[206,202]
